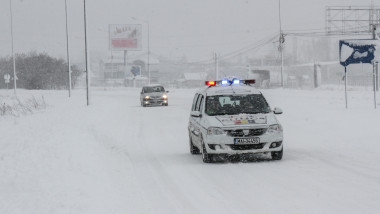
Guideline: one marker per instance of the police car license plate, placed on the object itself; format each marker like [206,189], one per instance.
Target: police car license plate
[253,140]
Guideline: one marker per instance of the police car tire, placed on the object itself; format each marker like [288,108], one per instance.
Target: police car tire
[277,155]
[193,149]
[207,158]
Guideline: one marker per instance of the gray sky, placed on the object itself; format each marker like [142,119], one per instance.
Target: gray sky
[195,28]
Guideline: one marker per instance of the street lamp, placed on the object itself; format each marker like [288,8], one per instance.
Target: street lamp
[67,47]
[146,22]
[13,55]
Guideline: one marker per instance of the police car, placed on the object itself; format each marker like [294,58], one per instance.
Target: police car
[232,117]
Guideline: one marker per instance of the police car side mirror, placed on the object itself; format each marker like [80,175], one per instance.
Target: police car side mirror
[196,114]
[167,91]
[277,110]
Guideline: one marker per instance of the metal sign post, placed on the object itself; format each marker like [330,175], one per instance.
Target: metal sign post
[345,83]
[374,83]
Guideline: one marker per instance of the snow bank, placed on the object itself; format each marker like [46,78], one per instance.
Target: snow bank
[18,105]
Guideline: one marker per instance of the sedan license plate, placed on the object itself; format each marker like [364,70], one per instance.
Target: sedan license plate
[254,140]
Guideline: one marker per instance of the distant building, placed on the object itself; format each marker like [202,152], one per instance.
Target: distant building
[190,80]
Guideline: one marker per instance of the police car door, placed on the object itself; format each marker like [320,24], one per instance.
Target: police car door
[197,134]
[194,126]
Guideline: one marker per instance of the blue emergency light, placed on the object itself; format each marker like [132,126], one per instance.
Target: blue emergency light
[224,82]
[236,82]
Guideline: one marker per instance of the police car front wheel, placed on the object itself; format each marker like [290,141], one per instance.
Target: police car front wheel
[277,155]
[193,149]
[207,158]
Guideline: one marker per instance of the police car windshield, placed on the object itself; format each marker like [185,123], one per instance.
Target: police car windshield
[154,89]
[236,104]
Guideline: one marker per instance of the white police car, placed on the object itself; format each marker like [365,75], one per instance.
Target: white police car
[232,117]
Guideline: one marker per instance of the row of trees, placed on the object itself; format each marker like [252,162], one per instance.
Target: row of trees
[38,71]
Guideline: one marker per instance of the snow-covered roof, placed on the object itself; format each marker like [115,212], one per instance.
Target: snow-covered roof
[116,61]
[152,60]
[318,63]
[195,76]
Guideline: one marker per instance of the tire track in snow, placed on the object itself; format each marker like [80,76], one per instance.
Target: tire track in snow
[152,181]
[151,165]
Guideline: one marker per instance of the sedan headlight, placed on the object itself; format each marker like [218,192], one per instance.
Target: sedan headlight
[165,96]
[274,129]
[215,131]
[146,97]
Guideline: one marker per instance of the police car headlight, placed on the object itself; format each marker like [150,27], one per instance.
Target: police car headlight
[146,97]
[165,96]
[215,131]
[274,129]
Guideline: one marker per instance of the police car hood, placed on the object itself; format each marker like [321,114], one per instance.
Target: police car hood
[242,120]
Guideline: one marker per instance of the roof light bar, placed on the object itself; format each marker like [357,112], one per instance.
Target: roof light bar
[230,82]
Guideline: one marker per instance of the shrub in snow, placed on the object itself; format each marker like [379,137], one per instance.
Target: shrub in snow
[16,106]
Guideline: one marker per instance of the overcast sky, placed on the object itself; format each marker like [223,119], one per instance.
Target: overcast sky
[195,28]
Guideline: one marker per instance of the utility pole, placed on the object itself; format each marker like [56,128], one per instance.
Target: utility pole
[86,55]
[147,22]
[375,66]
[67,48]
[281,47]
[13,55]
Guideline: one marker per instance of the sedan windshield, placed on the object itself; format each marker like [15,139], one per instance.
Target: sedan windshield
[154,89]
[236,104]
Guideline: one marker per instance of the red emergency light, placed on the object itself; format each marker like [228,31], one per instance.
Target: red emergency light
[210,83]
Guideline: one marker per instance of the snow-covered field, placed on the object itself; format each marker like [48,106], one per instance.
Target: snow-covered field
[117,157]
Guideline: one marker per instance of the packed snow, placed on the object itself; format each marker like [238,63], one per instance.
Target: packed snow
[117,157]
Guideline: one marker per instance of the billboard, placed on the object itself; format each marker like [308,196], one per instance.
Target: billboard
[125,37]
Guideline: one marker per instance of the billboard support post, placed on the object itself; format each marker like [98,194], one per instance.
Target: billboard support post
[125,63]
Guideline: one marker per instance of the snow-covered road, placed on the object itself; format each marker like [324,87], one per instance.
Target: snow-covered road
[117,157]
